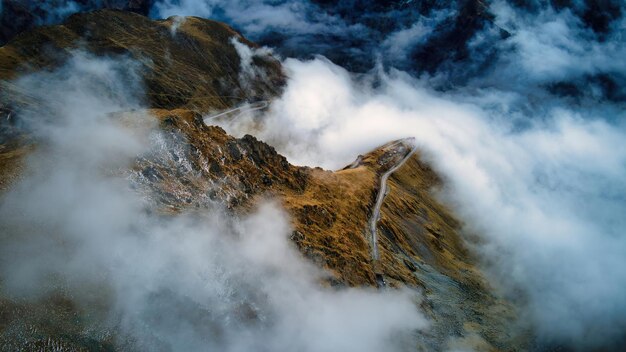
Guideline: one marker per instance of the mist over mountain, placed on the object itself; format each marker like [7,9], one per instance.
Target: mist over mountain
[162,182]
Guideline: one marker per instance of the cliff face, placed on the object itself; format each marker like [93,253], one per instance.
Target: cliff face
[195,69]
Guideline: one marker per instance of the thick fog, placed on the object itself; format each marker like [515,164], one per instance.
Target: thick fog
[527,129]
[205,280]
[549,198]
[539,176]
[464,41]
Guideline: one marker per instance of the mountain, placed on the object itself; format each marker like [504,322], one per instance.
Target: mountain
[341,221]
[193,66]
[19,16]
[196,67]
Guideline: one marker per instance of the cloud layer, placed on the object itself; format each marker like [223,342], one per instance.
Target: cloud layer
[524,119]
[204,280]
[547,197]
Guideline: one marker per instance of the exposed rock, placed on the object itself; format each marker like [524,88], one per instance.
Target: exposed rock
[197,164]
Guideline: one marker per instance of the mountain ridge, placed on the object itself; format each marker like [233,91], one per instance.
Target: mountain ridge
[420,241]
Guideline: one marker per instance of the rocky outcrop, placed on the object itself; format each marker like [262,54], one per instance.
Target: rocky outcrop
[191,164]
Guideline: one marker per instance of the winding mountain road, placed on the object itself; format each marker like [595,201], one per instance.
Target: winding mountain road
[240,109]
[373,221]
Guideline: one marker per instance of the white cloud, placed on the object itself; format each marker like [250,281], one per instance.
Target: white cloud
[553,45]
[548,198]
[197,281]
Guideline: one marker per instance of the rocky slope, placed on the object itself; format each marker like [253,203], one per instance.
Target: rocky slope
[194,165]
